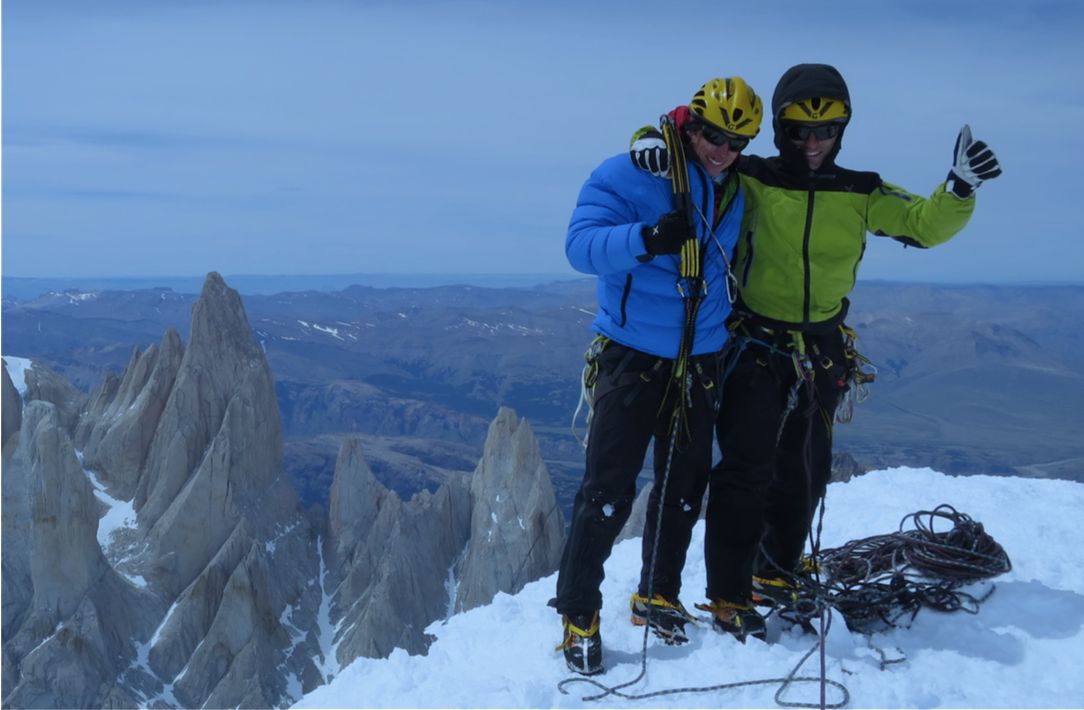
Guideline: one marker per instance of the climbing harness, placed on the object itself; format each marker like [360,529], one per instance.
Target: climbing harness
[588,380]
[859,371]
[591,371]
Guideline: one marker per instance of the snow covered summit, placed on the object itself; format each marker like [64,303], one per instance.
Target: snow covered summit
[1022,649]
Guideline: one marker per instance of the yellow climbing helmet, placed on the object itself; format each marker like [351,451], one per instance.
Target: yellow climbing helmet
[816,110]
[730,105]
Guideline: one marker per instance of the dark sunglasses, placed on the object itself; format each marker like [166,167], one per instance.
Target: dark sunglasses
[716,137]
[802,131]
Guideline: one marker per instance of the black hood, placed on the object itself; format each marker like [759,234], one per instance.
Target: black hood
[804,81]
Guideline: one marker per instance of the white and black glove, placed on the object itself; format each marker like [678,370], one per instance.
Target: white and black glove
[973,162]
[648,152]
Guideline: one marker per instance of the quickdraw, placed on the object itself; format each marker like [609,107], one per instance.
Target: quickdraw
[804,374]
[860,373]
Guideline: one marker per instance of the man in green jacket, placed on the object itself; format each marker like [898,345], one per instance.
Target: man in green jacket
[790,360]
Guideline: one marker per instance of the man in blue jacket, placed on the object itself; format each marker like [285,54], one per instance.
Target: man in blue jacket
[653,367]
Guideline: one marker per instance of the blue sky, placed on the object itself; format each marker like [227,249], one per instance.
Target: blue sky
[174,138]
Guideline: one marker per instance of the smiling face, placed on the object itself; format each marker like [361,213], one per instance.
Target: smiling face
[816,150]
[715,158]
[816,141]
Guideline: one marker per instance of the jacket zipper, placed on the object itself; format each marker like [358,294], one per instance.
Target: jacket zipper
[748,258]
[625,300]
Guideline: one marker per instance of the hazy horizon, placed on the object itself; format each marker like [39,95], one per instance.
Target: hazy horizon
[26,287]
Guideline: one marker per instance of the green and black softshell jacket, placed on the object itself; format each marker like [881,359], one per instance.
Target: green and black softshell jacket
[804,232]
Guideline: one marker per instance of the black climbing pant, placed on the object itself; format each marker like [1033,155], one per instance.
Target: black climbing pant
[765,490]
[633,403]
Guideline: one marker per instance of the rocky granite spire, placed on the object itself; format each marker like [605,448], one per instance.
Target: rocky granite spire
[216,454]
[516,524]
[47,386]
[81,614]
[388,561]
[116,434]
[358,506]
[215,606]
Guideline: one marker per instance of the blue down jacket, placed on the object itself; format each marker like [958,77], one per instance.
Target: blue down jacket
[639,303]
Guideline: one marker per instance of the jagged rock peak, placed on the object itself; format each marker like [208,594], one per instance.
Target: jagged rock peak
[219,321]
[65,557]
[118,427]
[511,459]
[388,560]
[516,524]
[42,383]
[356,496]
[216,454]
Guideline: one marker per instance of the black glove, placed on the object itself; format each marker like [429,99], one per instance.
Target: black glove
[648,152]
[973,162]
[668,236]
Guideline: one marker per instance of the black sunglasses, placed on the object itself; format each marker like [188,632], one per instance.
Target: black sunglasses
[716,137]
[802,131]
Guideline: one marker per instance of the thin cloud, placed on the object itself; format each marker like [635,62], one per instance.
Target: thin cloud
[416,119]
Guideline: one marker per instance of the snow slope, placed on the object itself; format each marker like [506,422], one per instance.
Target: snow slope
[1023,649]
[17,369]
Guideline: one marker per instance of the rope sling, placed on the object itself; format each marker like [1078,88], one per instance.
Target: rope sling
[690,285]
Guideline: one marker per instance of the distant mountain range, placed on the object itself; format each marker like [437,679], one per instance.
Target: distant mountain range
[971,379]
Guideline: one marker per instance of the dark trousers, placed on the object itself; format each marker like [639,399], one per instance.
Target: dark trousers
[765,490]
[632,405]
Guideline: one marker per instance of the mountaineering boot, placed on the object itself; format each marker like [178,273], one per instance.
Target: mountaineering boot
[739,620]
[773,588]
[665,618]
[774,591]
[787,601]
[787,598]
[582,643]
[791,596]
